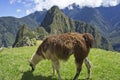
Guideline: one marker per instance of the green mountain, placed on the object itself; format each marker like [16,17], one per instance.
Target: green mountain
[115,38]
[56,22]
[25,37]
[41,33]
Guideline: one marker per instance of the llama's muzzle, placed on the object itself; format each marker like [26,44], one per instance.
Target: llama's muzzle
[31,65]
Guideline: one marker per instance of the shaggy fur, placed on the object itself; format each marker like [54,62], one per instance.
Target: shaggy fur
[60,47]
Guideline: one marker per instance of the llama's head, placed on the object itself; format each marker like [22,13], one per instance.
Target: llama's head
[32,66]
[89,39]
[34,60]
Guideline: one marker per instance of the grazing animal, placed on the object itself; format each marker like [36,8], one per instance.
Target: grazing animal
[60,47]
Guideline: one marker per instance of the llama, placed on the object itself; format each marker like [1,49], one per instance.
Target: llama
[60,47]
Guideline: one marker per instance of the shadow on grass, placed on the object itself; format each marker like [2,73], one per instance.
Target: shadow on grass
[29,76]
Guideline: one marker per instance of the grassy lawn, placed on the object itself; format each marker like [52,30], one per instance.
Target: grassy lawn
[14,65]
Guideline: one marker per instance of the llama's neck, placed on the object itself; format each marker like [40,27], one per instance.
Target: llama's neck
[35,59]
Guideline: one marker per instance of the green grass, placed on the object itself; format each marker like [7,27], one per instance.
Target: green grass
[14,65]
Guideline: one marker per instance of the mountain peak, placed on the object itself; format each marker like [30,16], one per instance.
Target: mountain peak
[55,8]
[24,37]
[53,16]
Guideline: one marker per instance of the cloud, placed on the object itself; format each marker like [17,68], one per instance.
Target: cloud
[29,11]
[108,3]
[18,10]
[14,1]
[46,4]
[39,5]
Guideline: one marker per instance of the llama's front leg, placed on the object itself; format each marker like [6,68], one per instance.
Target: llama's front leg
[57,67]
[53,70]
[87,63]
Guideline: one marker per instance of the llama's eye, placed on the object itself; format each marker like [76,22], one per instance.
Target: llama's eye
[86,39]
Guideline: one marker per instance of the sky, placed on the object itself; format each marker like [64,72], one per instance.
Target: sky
[20,8]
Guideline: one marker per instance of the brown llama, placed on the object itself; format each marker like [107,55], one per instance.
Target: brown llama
[60,47]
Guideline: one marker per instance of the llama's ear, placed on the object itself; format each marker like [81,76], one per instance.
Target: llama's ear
[88,39]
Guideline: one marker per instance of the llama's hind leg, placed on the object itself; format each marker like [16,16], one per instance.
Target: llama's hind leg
[78,69]
[57,67]
[87,63]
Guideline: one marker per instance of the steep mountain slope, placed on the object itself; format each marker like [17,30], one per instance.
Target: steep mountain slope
[56,22]
[89,15]
[8,28]
[111,14]
[25,37]
[37,16]
[115,38]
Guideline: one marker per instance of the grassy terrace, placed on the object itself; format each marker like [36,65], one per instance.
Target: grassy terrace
[14,65]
